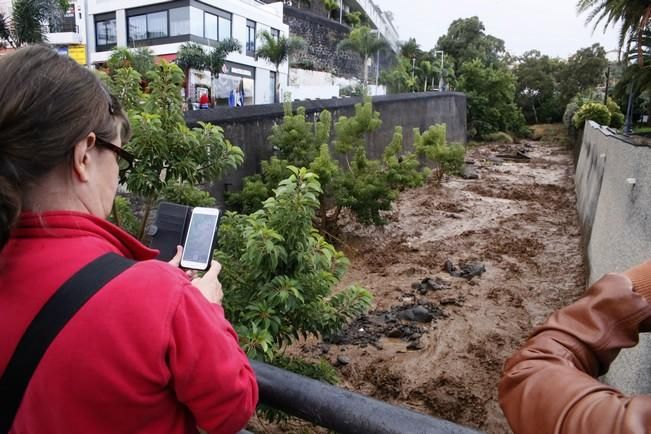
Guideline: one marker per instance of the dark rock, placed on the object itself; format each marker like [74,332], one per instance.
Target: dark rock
[447,301]
[407,315]
[343,360]
[469,172]
[421,314]
[450,268]
[415,336]
[415,345]
[472,269]
[395,333]
[325,348]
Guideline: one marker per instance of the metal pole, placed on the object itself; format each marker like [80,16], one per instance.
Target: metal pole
[340,410]
[441,78]
[341,11]
[607,83]
[628,124]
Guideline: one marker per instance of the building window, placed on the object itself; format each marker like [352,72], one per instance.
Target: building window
[105,34]
[250,38]
[157,25]
[138,28]
[275,33]
[196,22]
[179,21]
[149,26]
[210,26]
[272,87]
[224,28]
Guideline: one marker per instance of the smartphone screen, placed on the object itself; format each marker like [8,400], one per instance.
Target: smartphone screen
[197,252]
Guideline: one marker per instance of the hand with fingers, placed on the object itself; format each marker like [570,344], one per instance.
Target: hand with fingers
[208,284]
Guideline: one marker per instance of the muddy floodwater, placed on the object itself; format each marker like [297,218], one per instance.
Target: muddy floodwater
[461,274]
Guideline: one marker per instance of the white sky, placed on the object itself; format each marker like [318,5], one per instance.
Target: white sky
[551,26]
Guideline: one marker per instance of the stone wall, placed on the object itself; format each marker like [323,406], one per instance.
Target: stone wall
[321,37]
[613,186]
[248,127]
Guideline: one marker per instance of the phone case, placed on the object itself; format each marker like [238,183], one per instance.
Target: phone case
[170,229]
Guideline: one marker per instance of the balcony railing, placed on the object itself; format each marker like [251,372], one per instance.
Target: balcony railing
[63,27]
[340,410]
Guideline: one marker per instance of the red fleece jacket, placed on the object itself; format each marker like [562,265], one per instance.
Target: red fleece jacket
[147,354]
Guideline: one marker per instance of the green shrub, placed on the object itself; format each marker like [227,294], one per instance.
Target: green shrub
[617,120]
[593,111]
[431,145]
[279,272]
[123,216]
[616,115]
[570,111]
[500,136]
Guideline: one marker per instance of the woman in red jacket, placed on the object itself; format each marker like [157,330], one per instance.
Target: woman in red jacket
[151,352]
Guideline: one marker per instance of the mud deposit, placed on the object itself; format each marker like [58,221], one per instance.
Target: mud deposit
[518,221]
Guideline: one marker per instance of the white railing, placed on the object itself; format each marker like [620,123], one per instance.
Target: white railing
[379,19]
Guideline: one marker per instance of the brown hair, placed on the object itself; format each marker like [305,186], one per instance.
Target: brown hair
[48,103]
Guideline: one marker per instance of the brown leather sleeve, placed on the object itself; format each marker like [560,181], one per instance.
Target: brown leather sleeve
[549,385]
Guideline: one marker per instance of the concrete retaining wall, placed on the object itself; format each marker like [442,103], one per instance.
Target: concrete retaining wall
[613,186]
[249,127]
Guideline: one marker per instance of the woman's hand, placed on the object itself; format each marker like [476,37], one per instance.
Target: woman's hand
[209,284]
[176,261]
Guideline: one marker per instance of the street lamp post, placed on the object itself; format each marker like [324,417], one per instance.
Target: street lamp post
[628,124]
[441,76]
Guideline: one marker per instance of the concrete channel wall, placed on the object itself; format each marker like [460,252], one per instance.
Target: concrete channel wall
[613,186]
[249,127]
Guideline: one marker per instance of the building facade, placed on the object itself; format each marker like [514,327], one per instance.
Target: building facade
[164,26]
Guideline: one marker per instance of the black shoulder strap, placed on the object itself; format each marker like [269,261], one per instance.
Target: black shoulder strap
[47,324]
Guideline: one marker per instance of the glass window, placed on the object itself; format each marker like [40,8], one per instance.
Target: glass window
[250,39]
[138,28]
[157,25]
[272,87]
[224,28]
[275,33]
[105,33]
[180,21]
[210,28]
[196,22]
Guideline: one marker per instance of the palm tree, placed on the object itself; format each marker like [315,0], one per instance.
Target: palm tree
[193,56]
[365,42]
[278,49]
[427,70]
[633,15]
[28,17]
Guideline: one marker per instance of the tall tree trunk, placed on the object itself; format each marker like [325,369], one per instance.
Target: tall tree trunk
[648,111]
[535,114]
[365,72]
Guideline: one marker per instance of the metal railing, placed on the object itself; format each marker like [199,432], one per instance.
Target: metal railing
[341,410]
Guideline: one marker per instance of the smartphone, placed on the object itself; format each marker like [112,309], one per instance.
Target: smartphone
[199,241]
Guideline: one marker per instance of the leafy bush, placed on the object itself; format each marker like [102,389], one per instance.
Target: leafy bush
[364,186]
[491,100]
[431,145]
[570,111]
[617,120]
[593,111]
[616,116]
[500,136]
[278,272]
[123,216]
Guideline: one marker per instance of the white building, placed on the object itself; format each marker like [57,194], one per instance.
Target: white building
[164,26]
[68,33]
